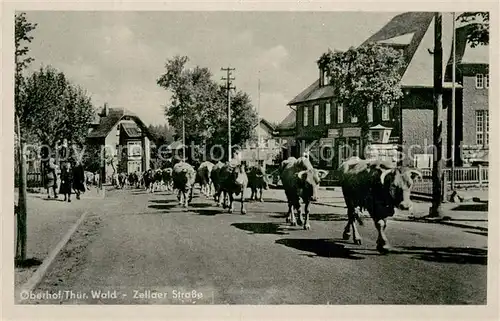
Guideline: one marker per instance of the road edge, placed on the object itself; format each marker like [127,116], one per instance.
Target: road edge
[40,273]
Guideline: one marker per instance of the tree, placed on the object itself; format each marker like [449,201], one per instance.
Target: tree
[369,74]
[203,104]
[54,109]
[22,34]
[479,27]
[243,120]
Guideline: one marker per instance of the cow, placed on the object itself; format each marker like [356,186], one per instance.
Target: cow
[148,177]
[203,177]
[167,178]
[257,181]
[378,187]
[300,181]
[132,179]
[214,177]
[183,177]
[122,180]
[231,180]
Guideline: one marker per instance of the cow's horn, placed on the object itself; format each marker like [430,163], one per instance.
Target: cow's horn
[301,174]
[384,174]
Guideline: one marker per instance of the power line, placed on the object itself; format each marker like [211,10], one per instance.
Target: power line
[229,80]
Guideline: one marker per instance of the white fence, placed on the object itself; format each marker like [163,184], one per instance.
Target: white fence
[464,177]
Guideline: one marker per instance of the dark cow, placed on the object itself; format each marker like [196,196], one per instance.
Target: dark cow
[300,180]
[122,179]
[132,179]
[257,181]
[203,177]
[231,180]
[184,177]
[378,187]
[148,178]
[214,177]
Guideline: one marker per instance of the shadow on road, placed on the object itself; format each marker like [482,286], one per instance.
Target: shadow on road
[260,228]
[472,207]
[457,255]
[162,201]
[327,217]
[483,233]
[210,212]
[272,200]
[321,247]
[163,206]
[199,205]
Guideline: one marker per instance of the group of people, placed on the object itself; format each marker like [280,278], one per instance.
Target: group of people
[69,178]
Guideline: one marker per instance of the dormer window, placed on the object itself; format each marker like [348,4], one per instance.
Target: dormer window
[324,79]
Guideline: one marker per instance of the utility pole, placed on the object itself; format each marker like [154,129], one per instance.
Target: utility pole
[228,80]
[437,169]
[183,135]
[453,102]
[258,125]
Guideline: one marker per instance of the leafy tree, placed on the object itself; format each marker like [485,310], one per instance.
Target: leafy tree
[203,104]
[364,75]
[54,109]
[479,29]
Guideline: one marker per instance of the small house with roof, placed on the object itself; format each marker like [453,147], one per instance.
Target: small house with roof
[263,136]
[126,140]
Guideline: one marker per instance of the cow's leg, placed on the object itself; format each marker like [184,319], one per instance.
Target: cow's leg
[186,198]
[190,194]
[356,236]
[179,196]
[382,243]
[231,199]
[260,195]
[296,207]
[306,224]
[252,193]
[347,230]
[243,210]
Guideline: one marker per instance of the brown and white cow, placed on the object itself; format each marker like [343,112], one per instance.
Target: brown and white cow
[257,181]
[378,187]
[230,179]
[167,179]
[300,181]
[203,177]
[183,177]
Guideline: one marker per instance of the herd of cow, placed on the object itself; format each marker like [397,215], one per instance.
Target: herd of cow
[367,185]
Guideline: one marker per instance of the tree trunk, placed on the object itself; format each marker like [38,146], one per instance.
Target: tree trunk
[22,200]
[437,169]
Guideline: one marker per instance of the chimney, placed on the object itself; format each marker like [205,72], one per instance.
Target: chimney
[105,110]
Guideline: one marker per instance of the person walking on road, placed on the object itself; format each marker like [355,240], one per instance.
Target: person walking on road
[78,179]
[66,181]
[51,177]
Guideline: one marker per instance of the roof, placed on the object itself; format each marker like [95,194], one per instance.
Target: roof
[175,145]
[288,122]
[465,54]
[267,124]
[413,32]
[106,123]
[131,130]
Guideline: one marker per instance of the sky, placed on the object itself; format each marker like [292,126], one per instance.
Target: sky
[118,56]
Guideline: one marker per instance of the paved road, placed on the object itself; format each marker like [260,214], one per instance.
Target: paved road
[147,242]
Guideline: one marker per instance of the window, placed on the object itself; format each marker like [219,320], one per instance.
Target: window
[482,127]
[306,116]
[327,113]
[316,115]
[479,81]
[423,160]
[385,113]
[354,119]
[118,130]
[369,112]
[134,149]
[486,81]
[340,114]
[326,79]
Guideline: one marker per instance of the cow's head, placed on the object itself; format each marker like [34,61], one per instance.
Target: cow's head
[309,180]
[261,176]
[398,182]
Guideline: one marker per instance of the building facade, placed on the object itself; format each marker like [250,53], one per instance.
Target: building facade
[125,139]
[323,128]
